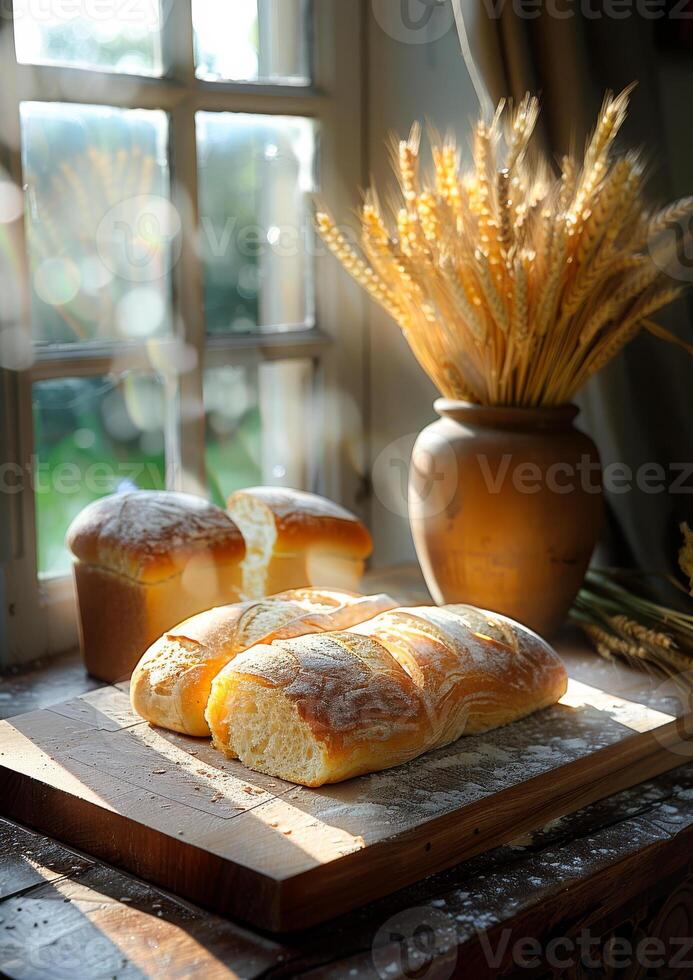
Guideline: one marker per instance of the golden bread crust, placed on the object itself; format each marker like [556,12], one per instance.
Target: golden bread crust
[149,536]
[307,521]
[379,694]
[170,685]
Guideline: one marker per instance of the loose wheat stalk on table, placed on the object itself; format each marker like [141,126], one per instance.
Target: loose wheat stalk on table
[616,610]
[512,285]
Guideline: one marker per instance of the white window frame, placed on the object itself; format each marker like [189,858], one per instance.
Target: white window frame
[38,616]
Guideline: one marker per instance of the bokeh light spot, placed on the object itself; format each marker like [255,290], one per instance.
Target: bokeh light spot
[140,312]
[57,281]
[84,438]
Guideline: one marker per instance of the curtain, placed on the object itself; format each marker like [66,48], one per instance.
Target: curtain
[639,410]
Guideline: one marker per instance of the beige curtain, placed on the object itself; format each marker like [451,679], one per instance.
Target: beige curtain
[640,409]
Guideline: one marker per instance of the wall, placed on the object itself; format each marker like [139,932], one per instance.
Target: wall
[675,95]
[408,80]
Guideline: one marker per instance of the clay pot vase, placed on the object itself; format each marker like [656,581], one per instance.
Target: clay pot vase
[505,507]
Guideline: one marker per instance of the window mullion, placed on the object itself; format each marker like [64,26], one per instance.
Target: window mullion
[40,83]
[185,437]
[63,362]
[49,83]
[188,302]
[177,41]
[341,312]
[275,346]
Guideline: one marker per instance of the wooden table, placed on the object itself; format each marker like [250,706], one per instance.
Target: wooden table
[612,884]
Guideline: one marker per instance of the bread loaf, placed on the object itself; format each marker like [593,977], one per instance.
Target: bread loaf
[322,708]
[144,561]
[170,686]
[296,539]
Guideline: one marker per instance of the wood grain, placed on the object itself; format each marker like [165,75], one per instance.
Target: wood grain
[74,919]
[175,812]
[554,882]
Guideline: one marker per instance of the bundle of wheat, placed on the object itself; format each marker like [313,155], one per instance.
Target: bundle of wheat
[616,613]
[512,285]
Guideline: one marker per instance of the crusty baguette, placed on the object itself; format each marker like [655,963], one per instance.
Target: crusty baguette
[170,685]
[295,539]
[319,709]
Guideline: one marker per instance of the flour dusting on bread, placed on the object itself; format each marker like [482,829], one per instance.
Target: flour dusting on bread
[171,684]
[379,694]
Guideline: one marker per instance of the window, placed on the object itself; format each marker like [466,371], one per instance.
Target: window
[170,320]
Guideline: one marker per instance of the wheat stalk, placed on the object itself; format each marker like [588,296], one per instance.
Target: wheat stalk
[513,284]
[636,630]
[614,610]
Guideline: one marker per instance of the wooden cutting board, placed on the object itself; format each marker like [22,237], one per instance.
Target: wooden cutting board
[172,810]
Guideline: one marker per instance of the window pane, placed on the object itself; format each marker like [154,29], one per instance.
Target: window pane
[111,34]
[258,426]
[92,437]
[101,231]
[253,40]
[255,177]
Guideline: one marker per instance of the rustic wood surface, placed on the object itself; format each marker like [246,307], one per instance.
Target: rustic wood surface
[619,867]
[174,811]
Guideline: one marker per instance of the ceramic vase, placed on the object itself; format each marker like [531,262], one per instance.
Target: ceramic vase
[505,507]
